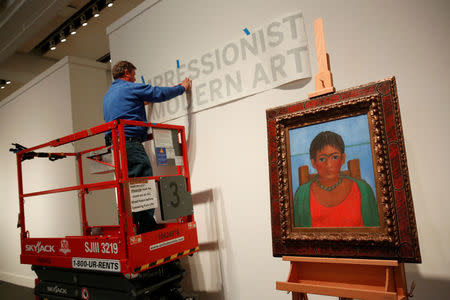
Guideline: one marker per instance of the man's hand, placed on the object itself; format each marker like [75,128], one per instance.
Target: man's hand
[187,84]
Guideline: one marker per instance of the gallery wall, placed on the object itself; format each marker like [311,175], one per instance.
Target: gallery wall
[367,41]
[50,106]
[89,81]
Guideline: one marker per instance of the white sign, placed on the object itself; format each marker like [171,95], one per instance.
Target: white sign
[170,153]
[109,265]
[275,54]
[163,138]
[143,196]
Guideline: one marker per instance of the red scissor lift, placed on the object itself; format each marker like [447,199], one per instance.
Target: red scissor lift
[109,262]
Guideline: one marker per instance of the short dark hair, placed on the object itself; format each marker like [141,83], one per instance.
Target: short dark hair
[323,139]
[119,68]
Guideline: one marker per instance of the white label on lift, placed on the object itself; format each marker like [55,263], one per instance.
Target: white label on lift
[170,153]
[167,243]
[143,196]
[108,265]
[163,138]
[178,160]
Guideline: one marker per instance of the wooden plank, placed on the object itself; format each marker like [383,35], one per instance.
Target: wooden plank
[400,282]
[350,291]
[390,284]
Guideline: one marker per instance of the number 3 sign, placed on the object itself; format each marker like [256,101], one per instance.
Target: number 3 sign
[176,201]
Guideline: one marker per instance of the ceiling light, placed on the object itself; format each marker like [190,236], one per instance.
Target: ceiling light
[110,3]
[83,20]
[95,11]
[52,45]
[2,87]
[72,29]
[62,37]
[8,81]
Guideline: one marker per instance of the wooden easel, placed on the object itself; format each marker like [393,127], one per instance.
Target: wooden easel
[366,279]
[345,278]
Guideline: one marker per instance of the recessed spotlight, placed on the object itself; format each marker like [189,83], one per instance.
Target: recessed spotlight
[8,81]
[110,3]
[83,20]
[72,29]
[62,37]
[52,45]
[95,12]
[2,87]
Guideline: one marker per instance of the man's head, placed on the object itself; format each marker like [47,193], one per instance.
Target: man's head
[124,70]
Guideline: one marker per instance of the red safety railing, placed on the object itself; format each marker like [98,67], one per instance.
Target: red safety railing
[120,234]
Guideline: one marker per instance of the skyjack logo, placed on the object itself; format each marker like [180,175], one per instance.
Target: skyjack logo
[38,248]
[57,290]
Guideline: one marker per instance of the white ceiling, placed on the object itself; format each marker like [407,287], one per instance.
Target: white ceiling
[25,23]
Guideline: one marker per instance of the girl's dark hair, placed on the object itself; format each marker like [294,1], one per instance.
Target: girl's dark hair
[326,138]
[119,68]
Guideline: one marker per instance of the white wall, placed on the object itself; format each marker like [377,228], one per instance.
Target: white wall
[367,41]
[89,81]
[39,112]
[35,114]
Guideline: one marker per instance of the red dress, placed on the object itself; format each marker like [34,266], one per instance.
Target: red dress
[346,214]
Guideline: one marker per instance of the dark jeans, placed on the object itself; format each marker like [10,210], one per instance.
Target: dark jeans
[139,166]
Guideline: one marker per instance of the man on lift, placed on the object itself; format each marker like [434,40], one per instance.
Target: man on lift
[126,99]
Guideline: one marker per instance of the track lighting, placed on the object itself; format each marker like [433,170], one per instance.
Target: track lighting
[95,12]
[83,20]
[70,26]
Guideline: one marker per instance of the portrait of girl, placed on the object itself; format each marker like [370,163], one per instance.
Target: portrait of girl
[331,199]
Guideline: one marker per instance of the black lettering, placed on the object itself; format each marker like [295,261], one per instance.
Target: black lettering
[194,71]
[234,54]
[246,45]
[207,63]
[168,76]
[292,22]
[274,33]
[237,85]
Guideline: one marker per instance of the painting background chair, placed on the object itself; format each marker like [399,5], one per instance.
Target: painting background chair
[352,166]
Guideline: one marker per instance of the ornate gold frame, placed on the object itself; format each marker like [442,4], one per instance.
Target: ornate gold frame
[380,103]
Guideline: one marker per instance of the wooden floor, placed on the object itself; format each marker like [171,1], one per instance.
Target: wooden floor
[10,291]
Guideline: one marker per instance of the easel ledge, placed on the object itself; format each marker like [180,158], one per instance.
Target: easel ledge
[350,278]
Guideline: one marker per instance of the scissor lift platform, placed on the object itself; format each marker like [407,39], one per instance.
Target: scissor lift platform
[114,261]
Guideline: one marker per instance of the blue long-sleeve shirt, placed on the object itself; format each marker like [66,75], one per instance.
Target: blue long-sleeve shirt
[125,100]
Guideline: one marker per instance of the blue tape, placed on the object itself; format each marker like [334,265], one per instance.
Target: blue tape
[247,32]
[178,64]
[143,80]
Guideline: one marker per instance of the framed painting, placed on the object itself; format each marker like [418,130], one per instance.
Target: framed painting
[339,177]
